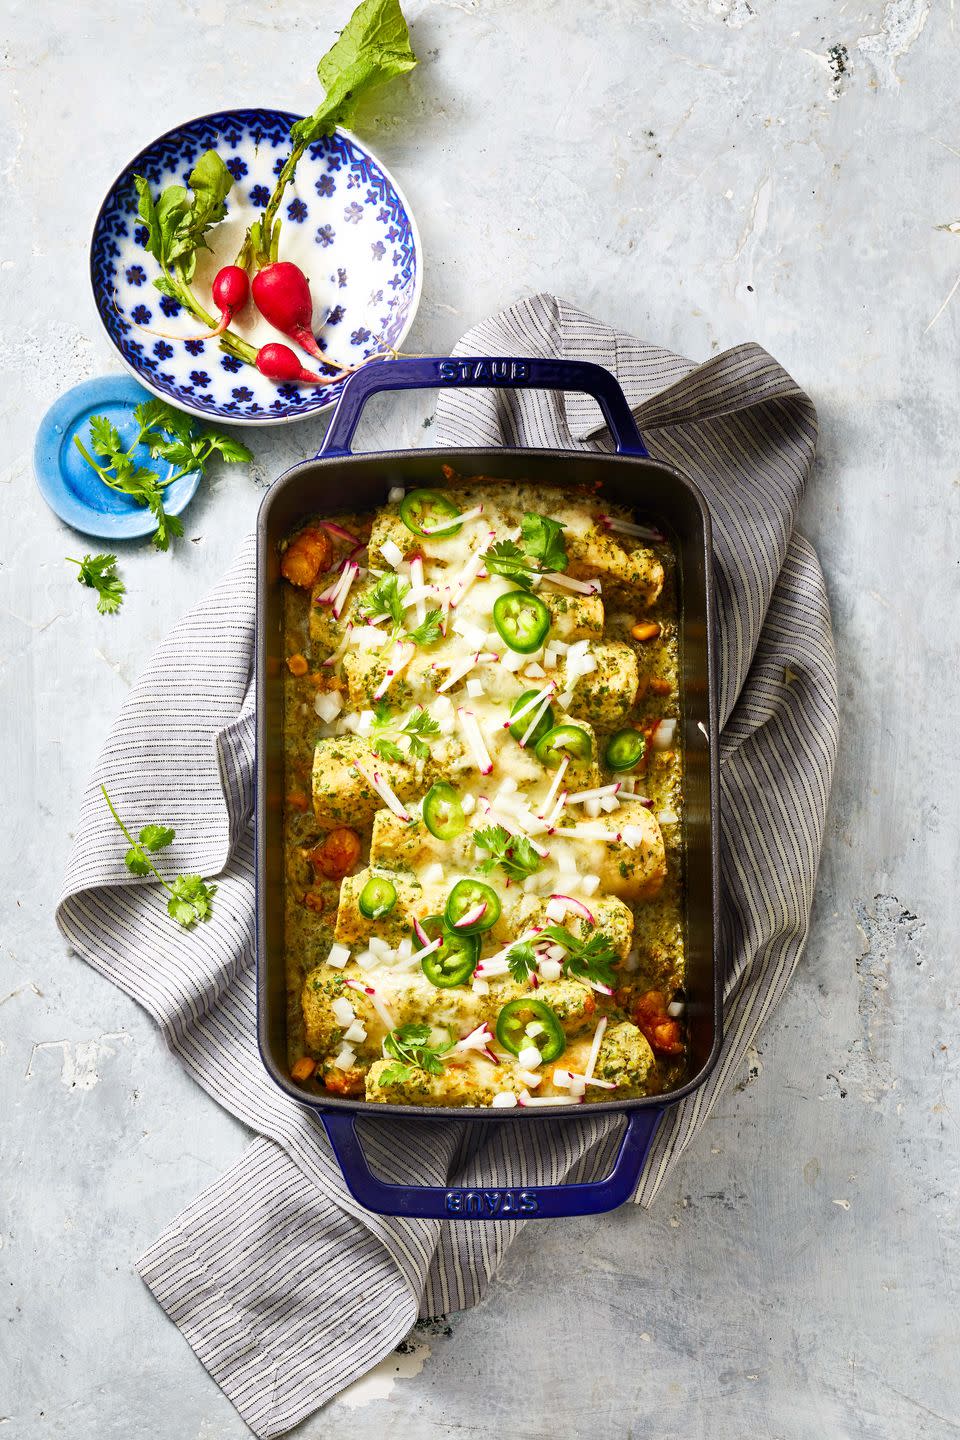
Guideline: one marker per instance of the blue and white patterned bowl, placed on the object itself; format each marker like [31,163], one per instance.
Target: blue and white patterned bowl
[345,223]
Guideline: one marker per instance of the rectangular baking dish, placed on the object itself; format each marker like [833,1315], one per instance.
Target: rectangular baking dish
[337,480]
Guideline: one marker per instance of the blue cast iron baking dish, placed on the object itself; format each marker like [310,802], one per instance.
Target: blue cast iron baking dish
[337,480]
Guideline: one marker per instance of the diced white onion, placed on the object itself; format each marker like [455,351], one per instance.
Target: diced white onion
[529,1057]
[345,1057]
[556,910]
[405,948]
[433,874]
[592,808]
[392,553]
[467,803]
[609,803]
[474,688]
[480,987]
[590,884]
[550,969]
[355,1034]
[504,1100]
[338,957]
[380,947]
[564,700]
[529,1078]
[513,661]
[535,672]
[662,737]
[675,1009]
[395,494]
[668,817]
[343,1011]
[328,704]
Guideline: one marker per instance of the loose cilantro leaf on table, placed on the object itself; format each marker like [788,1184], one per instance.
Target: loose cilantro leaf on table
[513,853]
[170,436]
[100,573]
[590,959]
[190,896]
[410,1047]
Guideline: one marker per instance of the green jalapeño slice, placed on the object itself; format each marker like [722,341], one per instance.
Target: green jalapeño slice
[377,898]
[531,1022]
[564,741]
[625,750]
[522,620]
[471,898]
[429,514]
[442,812]
[520,727]
[456,959]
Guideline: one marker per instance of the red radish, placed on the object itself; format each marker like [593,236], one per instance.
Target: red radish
[281,292]
[231,291]
[278,362]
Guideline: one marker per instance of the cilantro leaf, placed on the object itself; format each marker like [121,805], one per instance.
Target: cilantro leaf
[156,837]
[543,540]
[418,727]
[190,899]
[99,572]
[104,437]
[507,559]
[386,749]
[513,853]
[590,959]
[428,631]
[373,48]
[387,595]
[231,450]
[410,1046]
[522,960]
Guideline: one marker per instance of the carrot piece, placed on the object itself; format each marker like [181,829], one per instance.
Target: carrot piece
[303,1069]
[645,630]
[297,664]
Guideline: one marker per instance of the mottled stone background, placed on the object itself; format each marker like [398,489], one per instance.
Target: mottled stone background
[701,172]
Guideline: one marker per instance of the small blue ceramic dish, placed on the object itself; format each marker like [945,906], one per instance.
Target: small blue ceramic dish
[345,223]
[68,484]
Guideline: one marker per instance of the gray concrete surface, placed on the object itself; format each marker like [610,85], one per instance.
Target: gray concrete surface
[701,172]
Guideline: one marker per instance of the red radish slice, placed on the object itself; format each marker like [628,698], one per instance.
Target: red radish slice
[627,527]
[342,534]
[421,934]
[578,906]
[475,913]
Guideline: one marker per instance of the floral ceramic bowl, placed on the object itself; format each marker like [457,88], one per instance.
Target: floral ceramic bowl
[345,223]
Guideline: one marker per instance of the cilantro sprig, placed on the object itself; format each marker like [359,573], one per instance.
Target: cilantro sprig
[590,959]
[99,572]
[522,961]
[418,727]
[387,596]
[411,1049]
[513,853]
[544,551]
[190,896]
[170,436]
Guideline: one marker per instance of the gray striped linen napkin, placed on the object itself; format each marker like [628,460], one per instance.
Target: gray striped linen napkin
[285,1287]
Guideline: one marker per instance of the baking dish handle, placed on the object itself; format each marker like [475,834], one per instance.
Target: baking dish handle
[530,1202]
[497,372]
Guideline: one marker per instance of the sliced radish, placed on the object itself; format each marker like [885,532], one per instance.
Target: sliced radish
[474,741]
[526,1099]
[471,916]
[452,520]
[567,582]
[382,788]
[628,527]
[571,904]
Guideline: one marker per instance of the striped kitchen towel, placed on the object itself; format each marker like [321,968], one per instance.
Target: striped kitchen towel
[286,1289]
